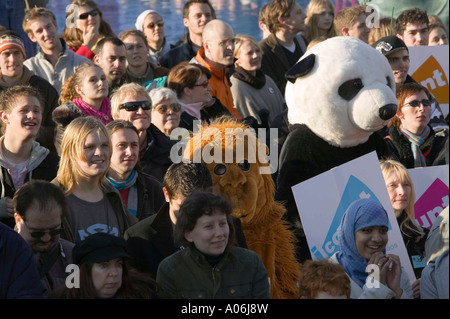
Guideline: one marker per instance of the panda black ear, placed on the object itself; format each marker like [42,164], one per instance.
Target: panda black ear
[301,68]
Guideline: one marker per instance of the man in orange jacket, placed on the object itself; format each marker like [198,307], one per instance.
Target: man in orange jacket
[217,55]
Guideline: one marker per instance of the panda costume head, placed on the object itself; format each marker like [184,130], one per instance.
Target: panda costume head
[343,90]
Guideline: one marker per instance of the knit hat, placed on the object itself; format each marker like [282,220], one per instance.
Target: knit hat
[98,248]
[389,44]
[11,40]
[140,19]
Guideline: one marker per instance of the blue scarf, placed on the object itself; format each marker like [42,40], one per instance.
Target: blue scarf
[130,183]
[360,214]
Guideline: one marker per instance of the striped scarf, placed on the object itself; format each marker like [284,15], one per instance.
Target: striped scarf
[416,141]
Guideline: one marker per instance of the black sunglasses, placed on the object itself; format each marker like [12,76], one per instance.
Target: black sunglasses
[163,108]
[85,15]
[416,103]
[152,25]
[134,106]
[52,233]
[204,84]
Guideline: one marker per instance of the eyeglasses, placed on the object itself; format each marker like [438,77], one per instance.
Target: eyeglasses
[85,15]
[204,84]
[152,25]
[29,13]
[163,108]
[41,233]
[416,103]
[134,106]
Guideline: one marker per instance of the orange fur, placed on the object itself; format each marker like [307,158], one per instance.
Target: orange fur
[252,195]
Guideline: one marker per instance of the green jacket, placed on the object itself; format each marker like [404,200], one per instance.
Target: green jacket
[188,275]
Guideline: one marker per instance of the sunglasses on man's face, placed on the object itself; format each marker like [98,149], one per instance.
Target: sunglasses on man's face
[416,103]
[85,15]
[134,106]
[152,25]
[163,108]
[204,84]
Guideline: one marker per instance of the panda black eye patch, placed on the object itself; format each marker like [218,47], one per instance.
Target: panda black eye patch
[389,82]
[348,90]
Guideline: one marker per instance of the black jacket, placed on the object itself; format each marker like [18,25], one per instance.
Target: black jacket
[400,147]
[150,195]
[183,52]
[150,240]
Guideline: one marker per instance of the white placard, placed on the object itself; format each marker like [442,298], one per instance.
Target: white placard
[323,199]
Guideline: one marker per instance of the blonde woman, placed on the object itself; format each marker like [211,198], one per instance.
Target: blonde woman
[85,93]
[92,202]
[90,28]
[401,193]
[254,93]
[319,19]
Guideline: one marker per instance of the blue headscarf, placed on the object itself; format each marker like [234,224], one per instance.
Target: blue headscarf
[360,214]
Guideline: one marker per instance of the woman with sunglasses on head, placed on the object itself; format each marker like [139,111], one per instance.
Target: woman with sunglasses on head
[151,24]
[411,140]
[87,29]
[190,82]
[85,93]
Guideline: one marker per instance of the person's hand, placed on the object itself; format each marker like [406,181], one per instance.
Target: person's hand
[90,36]
[416,289]
[393,271]
[9,207]
[379,259]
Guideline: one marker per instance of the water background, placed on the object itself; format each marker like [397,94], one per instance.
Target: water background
[242,15]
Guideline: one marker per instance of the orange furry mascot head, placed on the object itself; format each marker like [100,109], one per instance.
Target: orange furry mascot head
[236,158]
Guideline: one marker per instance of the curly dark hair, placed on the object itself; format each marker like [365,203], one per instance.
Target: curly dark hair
[414,15]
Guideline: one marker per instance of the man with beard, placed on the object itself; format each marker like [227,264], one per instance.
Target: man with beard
[111,56]
[217,56]
[39,207]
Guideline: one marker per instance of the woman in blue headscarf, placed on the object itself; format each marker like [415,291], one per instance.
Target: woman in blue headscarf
[363,236]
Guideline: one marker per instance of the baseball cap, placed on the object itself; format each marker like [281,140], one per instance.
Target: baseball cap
[389,44]
[98,248]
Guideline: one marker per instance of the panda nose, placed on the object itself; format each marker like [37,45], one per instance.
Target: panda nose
[387,111]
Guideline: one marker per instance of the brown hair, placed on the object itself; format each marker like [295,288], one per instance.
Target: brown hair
[68,92]
[9,97]
[414,15]
[403,91]
[275,10]
[346,17]
[323,276]
[185,74]
[387,27]
[313,11]
[133,32]
[74,36]
[36,13]
[188,4]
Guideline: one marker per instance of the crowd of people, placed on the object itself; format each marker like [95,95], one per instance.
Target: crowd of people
[87,176]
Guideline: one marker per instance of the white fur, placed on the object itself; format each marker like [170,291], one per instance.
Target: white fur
[313,99]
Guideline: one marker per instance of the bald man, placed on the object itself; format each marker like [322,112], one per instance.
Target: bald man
[217,55]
